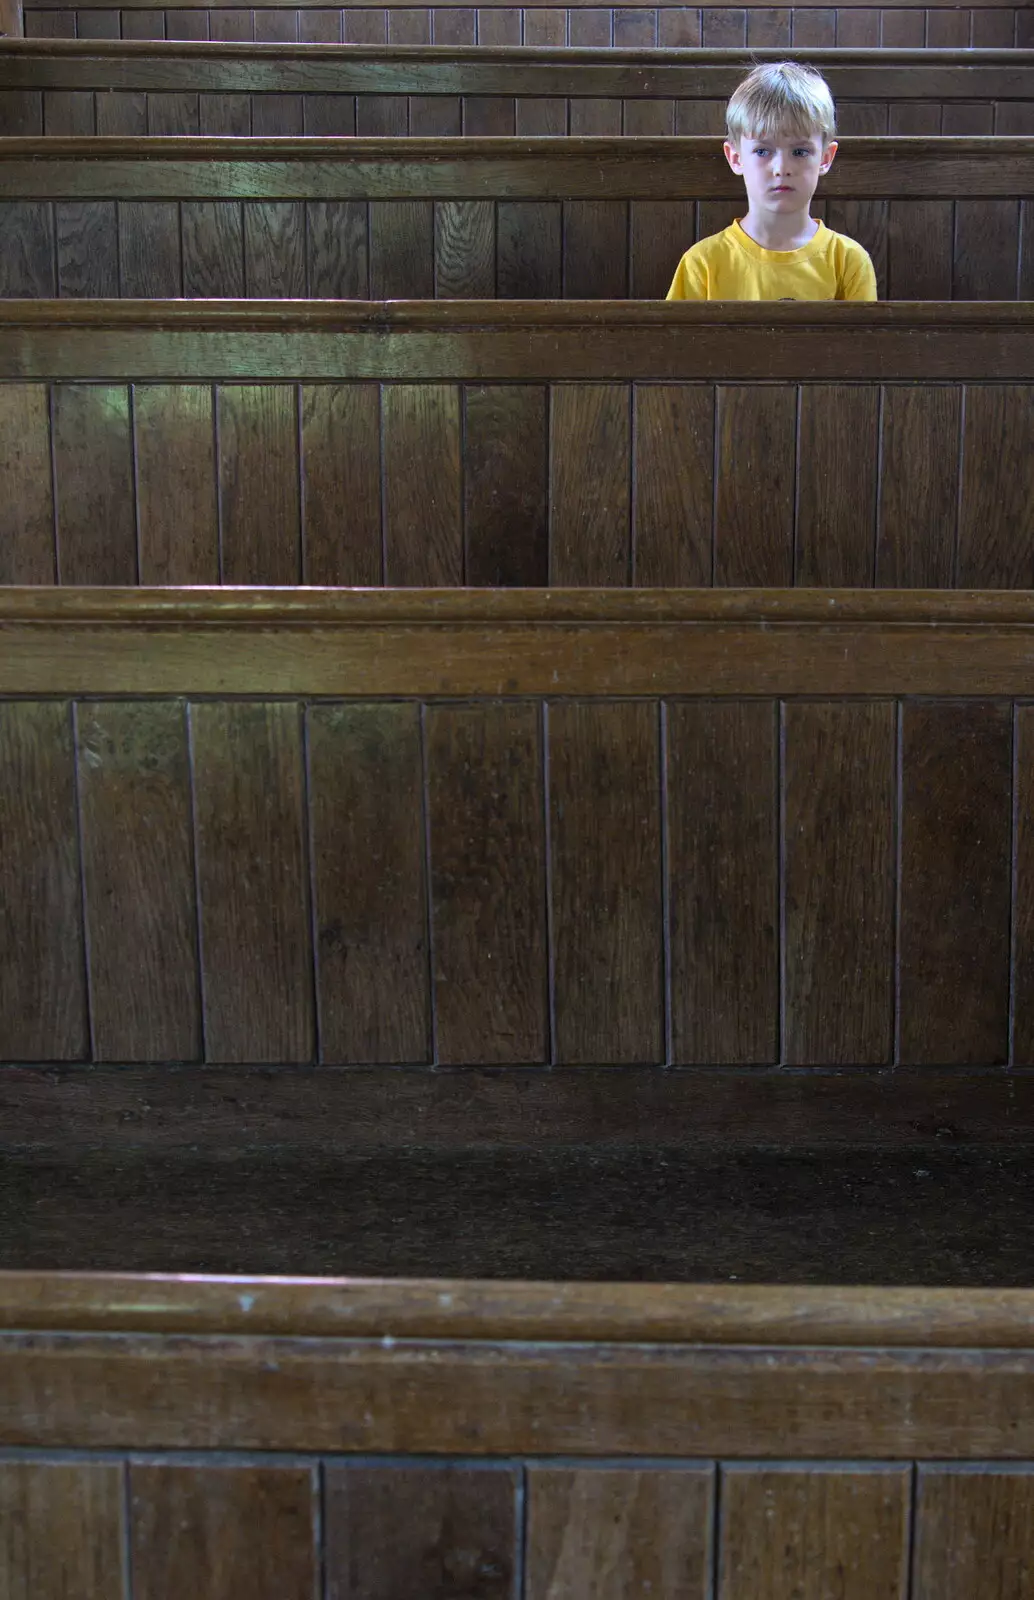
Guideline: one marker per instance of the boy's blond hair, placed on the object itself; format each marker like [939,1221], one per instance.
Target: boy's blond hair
[781,97]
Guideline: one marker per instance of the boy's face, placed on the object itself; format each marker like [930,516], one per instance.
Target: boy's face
[781,173]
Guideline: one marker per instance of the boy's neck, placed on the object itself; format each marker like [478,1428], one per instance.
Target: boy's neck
[782,231]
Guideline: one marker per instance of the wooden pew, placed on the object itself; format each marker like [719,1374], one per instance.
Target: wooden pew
[516,444]
[123,88]
[552,218]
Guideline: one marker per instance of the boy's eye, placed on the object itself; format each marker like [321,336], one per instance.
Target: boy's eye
[802,152]
[761,150]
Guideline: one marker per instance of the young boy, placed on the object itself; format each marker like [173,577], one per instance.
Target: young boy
[781,127]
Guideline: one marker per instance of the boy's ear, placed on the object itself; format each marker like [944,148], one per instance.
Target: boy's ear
[732,155]
[827,156]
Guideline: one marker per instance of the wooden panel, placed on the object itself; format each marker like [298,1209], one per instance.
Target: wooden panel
[592,118]
[87,249]
[21,113]
[674,485]
[42,977]
[93,475]
[277,116]
[973,1534]
[252,1532]
[606,884]
[421,1530]
[274,251]
[61,1530]
[955,882]
[489,116]
[330,115]
[138,876]
[227,115]
[27,550]
[722,797]
[341,481]
[408,27]
[176,484]
[986,255]
[252,873]
[815,29]
[590,489]
[27,249]
[769,29]
[903,29]
[529,249]
[454,25]
[918,511]
[866,221]
[423,512]
[497,25]
[369,883]
[544,27]
[464,249]
[839,883]
[595,249]
[678,27]
[836,485]
[661,231]
[1023,911]
[505,476]
[754,494]
[213,250]
[488,883]
[259,483]
[381,116]
[401,249]
[149,250]
[920,246]
[337,247]
[947,30]
[69,113]
[996,516]
[619,1533]
[806,1534]
[723,29]
[173,115]
[537,117]
[997,29]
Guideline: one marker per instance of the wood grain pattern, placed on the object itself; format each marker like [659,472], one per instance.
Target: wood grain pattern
[341,484]
[1023,908]
[505,474]
[464,250]
[274,251]
[27,249]
[661,231]
[529,249]
[723,874]
[973,1534]
[595,249]
[619,1533]
[173,114]
[488,884]
[43,1007]
[839,883]
[919,244]
[213,249]
[225,115]
[423,497]
[986,253]
[259,483]
[366,785]
[996,513]
[754,492]
[61,1530]
[252,874]
[27,548]
[86,244]
[138,878]
[838,447]
[401,249]
[421,1530]
[277,116]
[149,249]
[176,483]
[804,1534]
[955,882]
[606,884]
[918,510]
[590,485]
[674,485]
[337,249]
[93,477]
[252,1531]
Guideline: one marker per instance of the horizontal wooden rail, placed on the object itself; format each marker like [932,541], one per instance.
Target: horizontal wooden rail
[478,169]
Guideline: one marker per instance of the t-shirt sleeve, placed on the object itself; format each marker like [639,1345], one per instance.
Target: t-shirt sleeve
[858,281]
[690,280]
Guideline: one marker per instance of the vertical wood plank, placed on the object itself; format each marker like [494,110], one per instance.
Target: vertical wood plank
[662,231]
[27,250]
[402,249]
[69,113]
[1023,911]
[87,249]
[276,116]
[61,1530]
[173,114]
[544,27]
[213,250]
[423,505]
[21,113]
[723,29]
[903,30]
[997,28]
[808,1533]
[505,474]
[251,1532]
[955,882]
[768,29]
[274,250]
[338,249]
[987,244]
[920,247]
[619,1533]
[498,25]
[488,888]
[259,483]
[330,116]
[855,29]
[595,249]
[996,517]
[529,246]
[252,873]
[606,887]
[865,221]
[973,1533]
[489,116]
[369,883]
[27,549]
[539,116]
[595,118]
[674,484]
[918,509]
[421,1530]
[454,25]
[150,267]
[93,472]
[138,876]
[678,27]
[464,249]
[815,30]
[947,30]
[176,483]
[225,115]
[723,870]
[151,24]
[42,976]
[590,509]
[754,494]
[839,887]
[836,487]
[341,478]
[409,27]
[635,29]
[381,116]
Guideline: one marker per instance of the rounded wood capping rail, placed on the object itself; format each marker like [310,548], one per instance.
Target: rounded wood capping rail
[597,56]
[495,1310]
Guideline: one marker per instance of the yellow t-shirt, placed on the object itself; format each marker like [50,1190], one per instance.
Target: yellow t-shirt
[731,266]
